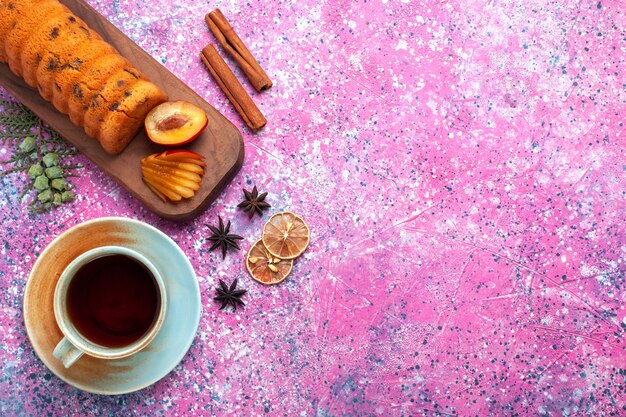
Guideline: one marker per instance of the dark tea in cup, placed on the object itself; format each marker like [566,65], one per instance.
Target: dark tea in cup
[113,300]
[110,302]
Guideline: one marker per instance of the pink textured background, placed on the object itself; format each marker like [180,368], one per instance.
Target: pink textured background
[462,167]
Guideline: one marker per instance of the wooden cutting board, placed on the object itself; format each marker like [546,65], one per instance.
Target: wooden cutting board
[220,143]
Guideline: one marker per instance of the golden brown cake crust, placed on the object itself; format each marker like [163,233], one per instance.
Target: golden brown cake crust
[65,80]
[59,56]
[105,98]
[27,22]
[10,11]
[43,40]
[90,80]
[128,115]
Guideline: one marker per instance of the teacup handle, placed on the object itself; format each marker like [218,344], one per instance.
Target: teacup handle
[67,352]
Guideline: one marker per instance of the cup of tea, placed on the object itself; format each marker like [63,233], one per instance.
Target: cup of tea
[109,303]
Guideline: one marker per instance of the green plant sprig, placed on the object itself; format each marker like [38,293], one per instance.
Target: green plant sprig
[40,152]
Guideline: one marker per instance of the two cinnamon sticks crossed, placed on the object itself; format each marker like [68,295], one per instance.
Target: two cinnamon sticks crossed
[223,75]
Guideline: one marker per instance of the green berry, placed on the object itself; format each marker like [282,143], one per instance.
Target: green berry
[28,144]
[44,196]
[54,172]
[58,184]
[57,199]
[41,183]
[67,196]
[51,159]
[35,170]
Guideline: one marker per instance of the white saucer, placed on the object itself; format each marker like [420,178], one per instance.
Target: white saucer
[168,347]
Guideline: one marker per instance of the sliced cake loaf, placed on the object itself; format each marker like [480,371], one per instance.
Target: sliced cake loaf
[79,73]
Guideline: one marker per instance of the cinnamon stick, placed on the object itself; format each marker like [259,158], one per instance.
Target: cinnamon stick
[230,41]
[233,89]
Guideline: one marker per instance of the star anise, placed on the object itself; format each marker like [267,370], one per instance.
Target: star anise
[229,295]
[221,237]
[254,202]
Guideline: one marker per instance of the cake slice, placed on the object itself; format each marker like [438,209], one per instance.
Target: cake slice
[42,42]
[10,11]
[106,96]
[127,115]
[89,81]
[29,19]
[86,55]
[61,55]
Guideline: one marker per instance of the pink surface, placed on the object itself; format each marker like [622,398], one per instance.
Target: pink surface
[462,168]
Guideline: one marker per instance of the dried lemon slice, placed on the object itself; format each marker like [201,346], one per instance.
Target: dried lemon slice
[265,267]
[285,235]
